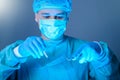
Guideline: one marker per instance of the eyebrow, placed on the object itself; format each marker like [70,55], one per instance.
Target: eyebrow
[48,14]
[45,14]
[61,13]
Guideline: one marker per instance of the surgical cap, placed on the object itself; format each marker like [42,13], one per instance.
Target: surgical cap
[64,5]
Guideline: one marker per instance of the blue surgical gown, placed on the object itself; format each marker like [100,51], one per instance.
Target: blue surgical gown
[58,65]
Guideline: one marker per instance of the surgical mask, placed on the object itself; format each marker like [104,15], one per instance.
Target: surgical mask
[52,29]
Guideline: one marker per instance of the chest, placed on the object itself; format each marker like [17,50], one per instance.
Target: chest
[62,71]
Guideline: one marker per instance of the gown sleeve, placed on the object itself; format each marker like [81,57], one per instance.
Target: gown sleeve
[107,68]
[8,61]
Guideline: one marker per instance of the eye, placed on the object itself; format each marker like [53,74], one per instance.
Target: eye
[46,17]
[59,17]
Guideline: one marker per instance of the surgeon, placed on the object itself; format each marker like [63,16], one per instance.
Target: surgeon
[55,56]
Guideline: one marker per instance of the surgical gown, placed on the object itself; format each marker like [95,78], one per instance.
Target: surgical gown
[58,65]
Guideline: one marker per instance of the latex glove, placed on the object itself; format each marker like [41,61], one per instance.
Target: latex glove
[88,52]
[32,46]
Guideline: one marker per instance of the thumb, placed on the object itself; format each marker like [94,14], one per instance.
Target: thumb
[82,60]
[84,57]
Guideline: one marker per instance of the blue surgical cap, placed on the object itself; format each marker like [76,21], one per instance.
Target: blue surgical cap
[64,5]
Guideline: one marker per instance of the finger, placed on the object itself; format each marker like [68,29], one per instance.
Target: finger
[93,55]
[41,42]
[34,48]
[30,46]
[78,53]
[82,60]
[87,55]
[77,56]
[37,49]
[83,57]
[32,52]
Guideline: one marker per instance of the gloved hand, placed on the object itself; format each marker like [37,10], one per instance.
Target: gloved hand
[88,52]
[32,46]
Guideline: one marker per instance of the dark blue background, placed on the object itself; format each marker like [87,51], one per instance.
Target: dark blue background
[90,20]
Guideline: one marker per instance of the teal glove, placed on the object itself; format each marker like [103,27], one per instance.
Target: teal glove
[88,52]
[32,46]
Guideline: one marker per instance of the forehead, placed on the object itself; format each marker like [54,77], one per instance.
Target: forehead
[51,11]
